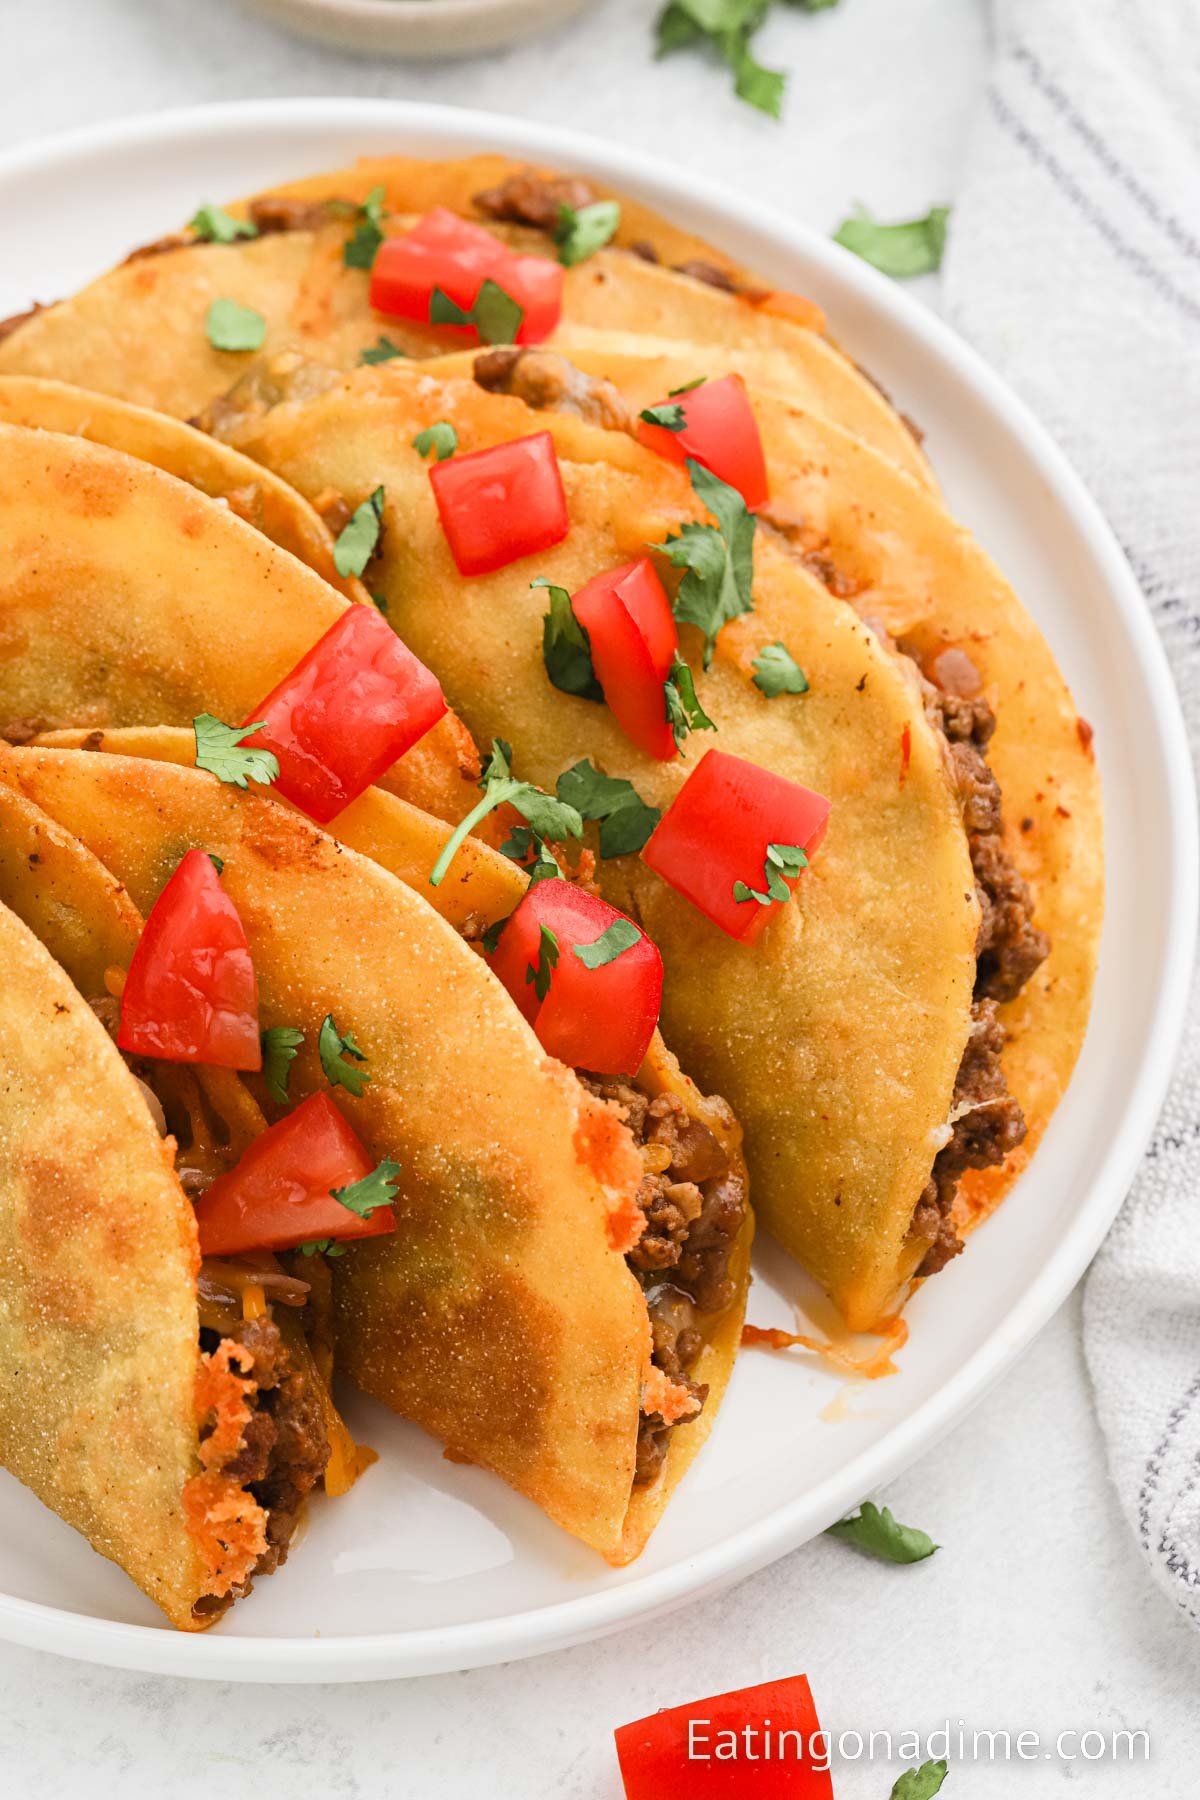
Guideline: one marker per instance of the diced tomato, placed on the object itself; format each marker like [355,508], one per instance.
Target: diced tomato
[191,994]
[720,431]
[628,619]
[600,1019]
[716,833]
[349,709]
[453,254]
[729,1747]
[500,504]
[280,1193]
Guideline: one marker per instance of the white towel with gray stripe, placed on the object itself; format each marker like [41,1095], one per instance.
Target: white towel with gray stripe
[1074,265]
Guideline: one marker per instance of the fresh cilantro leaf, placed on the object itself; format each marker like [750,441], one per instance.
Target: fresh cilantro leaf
[550,818]
[687,387]
[539,973]
[358,541]
[376,1189]
[380,602]
[566,648]
[669,418]
[322,1247]
[233,327]
[279,1046]
[218,862]
[618,937]
[491,937]
[625,820]
[332,1047]
[524,844]
[220,749]
[752,82]
[776,672]
[781,860]
[684,711]
[441,437]
[582,231]
[362,247]
[382,350]
[727,26]
[922,1783]
[912,247]
[879,1535]
[719,559]
[215,226]
[495,315]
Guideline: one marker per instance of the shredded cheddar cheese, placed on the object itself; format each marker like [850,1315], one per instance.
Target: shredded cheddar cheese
[254,1300]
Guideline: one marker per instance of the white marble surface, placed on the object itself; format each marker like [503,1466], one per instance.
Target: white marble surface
[1036,1614]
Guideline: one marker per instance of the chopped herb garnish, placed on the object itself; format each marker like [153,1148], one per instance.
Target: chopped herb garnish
[380,602]
[667,417]
[222,750]
[218,862]
[382,350]
[922,1783]
[550,818]
[233,327]
[687,387]
[362,247]
[524,846]
[912,247]
[776,672]
[495,315]
[539,973]
[620,936]
[357,542]
[581,231]
[323,1247]
[491,937]
[781,860]
[719,559]
[879,1535]
[280,1044]
[441,437]
[333,1047]
[376,1189]
[727,27]
[566,648]
[624,817]
[216,226]
[684,711]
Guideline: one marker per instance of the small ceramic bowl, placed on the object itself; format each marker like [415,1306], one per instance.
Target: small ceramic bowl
[417,28]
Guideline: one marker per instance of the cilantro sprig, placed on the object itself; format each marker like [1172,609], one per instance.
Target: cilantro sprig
[439,437]
[280,1047]
[907,248]
[223,751]
[381,351]
[581,231]
[358,540]
[566,647]
[376,1189]
[539,973]
[781,860]
[549,818]
[613,941]
[719,559]
[922,1783]
[625,819]
[213,225]
[727,27]
[495,315]
[684,711]
[880,1535]
[362,246]
[333,1046]
[776,672]
[231,326]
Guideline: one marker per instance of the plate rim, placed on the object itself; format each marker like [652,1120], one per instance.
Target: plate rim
[440,1649]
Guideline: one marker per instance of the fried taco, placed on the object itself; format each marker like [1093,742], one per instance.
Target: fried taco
[557,1288]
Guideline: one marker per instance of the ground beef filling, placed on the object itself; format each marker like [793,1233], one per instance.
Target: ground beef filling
[694,1205]
[544,380]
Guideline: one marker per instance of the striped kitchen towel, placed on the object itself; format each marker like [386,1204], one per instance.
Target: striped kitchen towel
[1074,265]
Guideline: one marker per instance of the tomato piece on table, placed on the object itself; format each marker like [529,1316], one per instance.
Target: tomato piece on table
[191,994]
[717,835]
[349,709]
[456,255]
[631,631]
[280,1193]
[757,1743]
[600,1018]
[719,431]
[500,504]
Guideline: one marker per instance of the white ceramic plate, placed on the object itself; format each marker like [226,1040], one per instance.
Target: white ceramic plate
[428,1566]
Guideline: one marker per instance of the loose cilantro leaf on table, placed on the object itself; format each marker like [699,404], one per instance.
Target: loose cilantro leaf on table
[625,819]
[618,937]
[922,1783]
[684,711]
[381,351]
[230,326]
[280,1044]
[566,647]
[222,750]
[719,559]
[539,973]
[440,437]
[362,247]
[776,672]
[215,226]
[911,247]
[781,860]
[879,1534]
[582,231]
[376,1189]
[357,542]
[550,818]
[727,28]
[333,1047]
[495,315]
